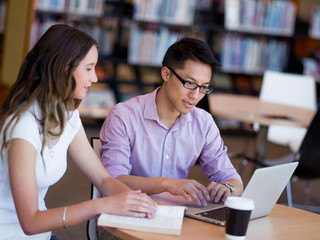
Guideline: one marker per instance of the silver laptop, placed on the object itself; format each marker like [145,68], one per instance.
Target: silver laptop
[264,188]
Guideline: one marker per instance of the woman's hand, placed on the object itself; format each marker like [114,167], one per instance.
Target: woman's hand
[132,203]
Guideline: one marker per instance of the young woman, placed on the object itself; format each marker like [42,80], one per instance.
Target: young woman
[40,124]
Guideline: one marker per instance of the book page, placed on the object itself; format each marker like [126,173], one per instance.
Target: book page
[170,211]
[168,219]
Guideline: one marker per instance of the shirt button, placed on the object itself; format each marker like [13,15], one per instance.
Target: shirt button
[167,156]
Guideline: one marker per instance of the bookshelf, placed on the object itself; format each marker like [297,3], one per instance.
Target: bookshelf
[273,18]
[15,39]
[134,35]
[84,14]
[261,42]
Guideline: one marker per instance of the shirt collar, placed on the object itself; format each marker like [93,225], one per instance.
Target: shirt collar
[150,110]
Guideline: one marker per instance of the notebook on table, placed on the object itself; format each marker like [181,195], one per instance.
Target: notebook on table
[264,188]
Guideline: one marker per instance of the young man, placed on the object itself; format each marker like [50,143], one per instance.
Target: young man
[152,141]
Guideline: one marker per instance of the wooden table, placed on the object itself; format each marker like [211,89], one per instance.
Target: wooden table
[251,109]
[282,223]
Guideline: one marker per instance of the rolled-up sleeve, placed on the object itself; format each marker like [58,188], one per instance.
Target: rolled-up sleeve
[214,160]
[115,151]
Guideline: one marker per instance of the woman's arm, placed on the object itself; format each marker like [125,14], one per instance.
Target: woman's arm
[25,193]
[87,160]
[21,160]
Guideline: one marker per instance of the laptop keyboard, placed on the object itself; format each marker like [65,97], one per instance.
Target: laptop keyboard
[217,214]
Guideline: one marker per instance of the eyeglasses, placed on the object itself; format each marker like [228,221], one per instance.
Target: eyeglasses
[192,85]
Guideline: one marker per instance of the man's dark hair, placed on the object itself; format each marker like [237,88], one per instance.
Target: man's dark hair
[187,48]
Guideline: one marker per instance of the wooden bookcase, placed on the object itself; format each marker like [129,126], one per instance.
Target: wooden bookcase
[122,28]
[16,39]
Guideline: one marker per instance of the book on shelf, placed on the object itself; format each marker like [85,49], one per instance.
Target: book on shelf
[167,220]
[314,30]
[242,84]
[97,103]
[232,14]
[165,11]
[274,18]
[252,55]
[148,46]
[91,7]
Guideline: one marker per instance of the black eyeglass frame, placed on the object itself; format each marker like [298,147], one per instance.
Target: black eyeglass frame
[210,89]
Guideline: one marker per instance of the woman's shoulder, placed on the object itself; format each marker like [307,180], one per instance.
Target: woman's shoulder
[26,126]
[74,118]
[30,117]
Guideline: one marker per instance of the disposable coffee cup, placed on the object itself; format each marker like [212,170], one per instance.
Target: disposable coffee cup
[238,211]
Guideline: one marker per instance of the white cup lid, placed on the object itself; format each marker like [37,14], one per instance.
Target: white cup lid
[239,203]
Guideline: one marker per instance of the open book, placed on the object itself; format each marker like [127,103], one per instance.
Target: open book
[167,220]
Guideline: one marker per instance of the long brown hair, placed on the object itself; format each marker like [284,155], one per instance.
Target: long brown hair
[46,77]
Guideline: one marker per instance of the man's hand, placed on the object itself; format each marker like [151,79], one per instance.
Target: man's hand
[190,189]
[218,192]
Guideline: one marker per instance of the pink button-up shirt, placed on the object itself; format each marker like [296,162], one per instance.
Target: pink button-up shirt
[136,142]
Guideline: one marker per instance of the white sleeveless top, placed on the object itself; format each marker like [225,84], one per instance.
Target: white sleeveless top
[48,170]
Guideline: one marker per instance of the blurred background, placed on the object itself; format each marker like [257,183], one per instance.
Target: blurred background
[248,37]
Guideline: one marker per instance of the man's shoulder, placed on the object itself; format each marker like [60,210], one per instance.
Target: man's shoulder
[133,105]
[201,114]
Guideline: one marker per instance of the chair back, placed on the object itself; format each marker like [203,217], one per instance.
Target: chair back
[289,89]
[309,151]
[96,145]
[92,223]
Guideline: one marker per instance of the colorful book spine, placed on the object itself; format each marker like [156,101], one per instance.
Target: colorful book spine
[165,11]
[252,56]
[147,46]
[276,17]
[314,30]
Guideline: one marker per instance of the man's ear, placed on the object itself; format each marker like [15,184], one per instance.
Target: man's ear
[165,72]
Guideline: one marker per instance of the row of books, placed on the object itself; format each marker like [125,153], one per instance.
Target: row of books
[243,84]
[314,30]
[105,33]
[86,7]
[253,56]
[97,102]
[38,28]
[275,17]
[148,47]
[168,11]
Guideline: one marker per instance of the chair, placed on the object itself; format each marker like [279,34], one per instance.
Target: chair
[92,223]
[289,89]
[308,157]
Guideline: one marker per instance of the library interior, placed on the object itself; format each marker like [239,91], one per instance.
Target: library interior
[267,48]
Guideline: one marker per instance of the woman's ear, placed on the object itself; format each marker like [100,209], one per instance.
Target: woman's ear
[165,72]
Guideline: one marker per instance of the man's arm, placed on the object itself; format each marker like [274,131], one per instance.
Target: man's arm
[216,164]
[190,189]
[238,187]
